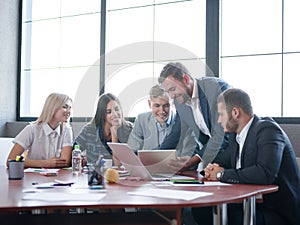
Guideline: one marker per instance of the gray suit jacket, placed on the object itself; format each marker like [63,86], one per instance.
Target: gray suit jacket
[145,136]
[209,88]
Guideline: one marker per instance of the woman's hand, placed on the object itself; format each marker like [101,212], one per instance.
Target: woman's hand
[113,131]
[55,163]
[48,163]
[83,158]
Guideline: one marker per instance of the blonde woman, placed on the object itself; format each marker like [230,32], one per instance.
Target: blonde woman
[48,140]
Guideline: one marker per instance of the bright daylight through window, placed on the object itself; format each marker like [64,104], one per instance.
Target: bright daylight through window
[61,47]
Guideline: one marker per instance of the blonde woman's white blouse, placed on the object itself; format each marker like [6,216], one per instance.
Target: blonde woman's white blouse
[42,142]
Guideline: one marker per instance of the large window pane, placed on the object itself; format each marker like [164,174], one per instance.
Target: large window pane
[79,42]
[260,77]
[120,4]
[137,49]
[184,25]
[43,9]
[117,4]
[251,27]
[77,7]
[291,30]
[86,90]
[132,82]
[259,33]
[60,46]
[291,73]
[128,26]
[45,39]
[40,83]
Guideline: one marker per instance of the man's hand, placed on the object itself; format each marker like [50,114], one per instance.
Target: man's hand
[211,171]
[180,164]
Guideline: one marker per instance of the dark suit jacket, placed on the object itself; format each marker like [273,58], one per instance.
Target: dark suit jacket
[209,88]
[267,158]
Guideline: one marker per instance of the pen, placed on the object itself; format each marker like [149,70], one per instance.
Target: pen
[48,174]
[39,170]
[60,184]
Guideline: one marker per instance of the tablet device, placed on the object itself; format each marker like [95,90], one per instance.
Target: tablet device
[157,161]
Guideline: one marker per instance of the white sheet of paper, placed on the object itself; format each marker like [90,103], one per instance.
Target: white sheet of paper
[215,183]
[206,183]
[181,177]
[39,170]
[174,194]
[60,196]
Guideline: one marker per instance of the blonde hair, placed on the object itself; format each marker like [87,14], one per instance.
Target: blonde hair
[157,91]
[52,104]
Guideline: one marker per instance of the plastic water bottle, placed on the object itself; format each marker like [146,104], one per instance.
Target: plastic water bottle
[76,160]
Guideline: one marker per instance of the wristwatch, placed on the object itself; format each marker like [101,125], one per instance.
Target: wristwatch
[219,174]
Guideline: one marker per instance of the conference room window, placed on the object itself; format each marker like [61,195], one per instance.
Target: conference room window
[143,36]
[60,42]
[260,53]
[61,49]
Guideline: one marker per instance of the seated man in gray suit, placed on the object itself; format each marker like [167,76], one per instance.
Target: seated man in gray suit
[160,128]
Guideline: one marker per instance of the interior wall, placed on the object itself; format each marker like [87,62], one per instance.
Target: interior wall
[293,132]
[8,61]
[13,128]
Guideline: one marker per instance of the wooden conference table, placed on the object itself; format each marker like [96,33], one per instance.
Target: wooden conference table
[117,197]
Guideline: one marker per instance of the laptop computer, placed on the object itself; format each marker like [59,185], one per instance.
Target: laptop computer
[157,161]
[132,162]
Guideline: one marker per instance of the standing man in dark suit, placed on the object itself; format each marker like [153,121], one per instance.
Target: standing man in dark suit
[258,152]
[196,102]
